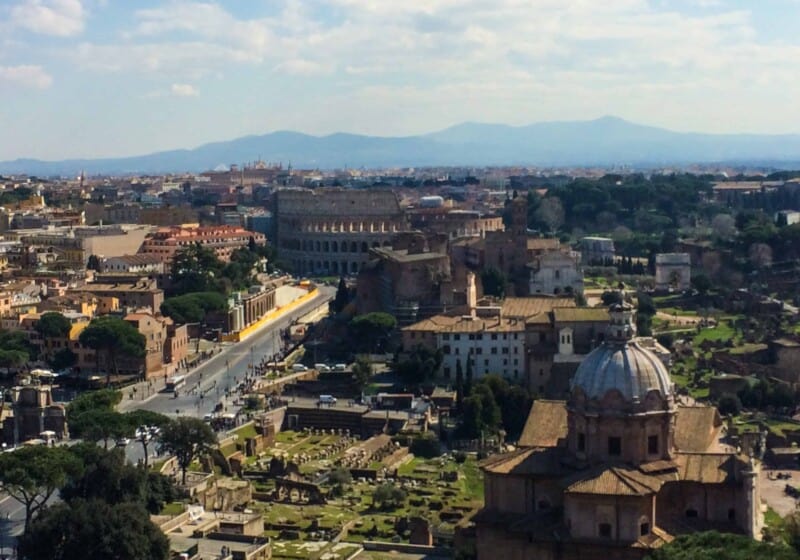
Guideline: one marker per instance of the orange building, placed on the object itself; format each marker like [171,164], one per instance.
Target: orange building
[222,239]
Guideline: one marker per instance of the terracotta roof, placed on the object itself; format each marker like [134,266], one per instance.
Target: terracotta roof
[524,307]
[542,243]
[546,425]
[612,481]
[527,462]
[580,314]
[707,467]
[695,428]
[458,324]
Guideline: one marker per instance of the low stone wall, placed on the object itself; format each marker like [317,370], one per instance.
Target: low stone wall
[175,522]
[407,548]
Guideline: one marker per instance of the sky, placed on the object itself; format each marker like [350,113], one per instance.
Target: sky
[102,78]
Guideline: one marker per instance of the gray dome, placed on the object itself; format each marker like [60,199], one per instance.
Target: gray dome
[629,368]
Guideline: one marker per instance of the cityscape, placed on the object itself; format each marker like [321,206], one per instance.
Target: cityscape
[394,317]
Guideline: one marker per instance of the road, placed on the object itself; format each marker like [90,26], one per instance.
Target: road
[221,373]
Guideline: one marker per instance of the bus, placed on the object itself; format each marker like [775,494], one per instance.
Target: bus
[176,382]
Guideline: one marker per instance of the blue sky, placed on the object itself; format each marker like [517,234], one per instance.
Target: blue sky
[93,78]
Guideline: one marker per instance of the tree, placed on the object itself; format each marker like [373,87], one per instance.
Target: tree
[64,358]
[93,263]
[15,349]
[114,337]
[610,297]
[362,371]
[701,283]
[195,268]
[342,296]
[420,365]
[12,359]
[494,282]
[94,530]
[85,411]
[760,255]
[468,378]
[370,329]
[193,308]
[32,474]
[729,404]
[106,475]
[187,438]
[550,213]
[101,425]
[141,423]
[388,496]
[712,545]
[459,385]
[724,226]
[53,325]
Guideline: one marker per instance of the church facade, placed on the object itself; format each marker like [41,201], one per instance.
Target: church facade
[617,469]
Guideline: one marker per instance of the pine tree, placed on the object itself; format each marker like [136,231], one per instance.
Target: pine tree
[468,383]
[459,385]
[342,296]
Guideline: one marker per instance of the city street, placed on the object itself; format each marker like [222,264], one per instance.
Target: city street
[221,373]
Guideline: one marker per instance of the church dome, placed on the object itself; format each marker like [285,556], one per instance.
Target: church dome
[623,367]
[629,368]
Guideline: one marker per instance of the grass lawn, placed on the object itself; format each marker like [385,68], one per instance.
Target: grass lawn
[678,312]
[723,331]
[174,508]
[246,431]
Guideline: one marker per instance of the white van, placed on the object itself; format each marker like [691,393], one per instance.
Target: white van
[322,368]
[299,367]
[340,367]
[327,399]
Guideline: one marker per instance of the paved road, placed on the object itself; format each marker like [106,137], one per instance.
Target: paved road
[221,373]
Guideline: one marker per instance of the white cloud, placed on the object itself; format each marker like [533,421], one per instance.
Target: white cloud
[26,76]
[184,90]
[61,18]
[514,60]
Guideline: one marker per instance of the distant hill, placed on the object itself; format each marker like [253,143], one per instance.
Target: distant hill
[604,141]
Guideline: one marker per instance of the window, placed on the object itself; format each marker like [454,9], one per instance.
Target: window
[541,372]
[542,337]
[731,514]
[652,445]
[644,529]
[604,530]
[486,363]
[691,513]
[505,349]
[494,336]
[479,350]
[456,337]
[472,337]
[445,336]
[581,442]
[447,373]
[446,349]
[494,350]
[615,446]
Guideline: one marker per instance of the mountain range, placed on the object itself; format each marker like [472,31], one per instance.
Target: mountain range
[601,142]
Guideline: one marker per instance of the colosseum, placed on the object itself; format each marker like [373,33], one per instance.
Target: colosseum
[330,231]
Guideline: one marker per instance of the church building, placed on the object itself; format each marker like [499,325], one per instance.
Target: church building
[616,470]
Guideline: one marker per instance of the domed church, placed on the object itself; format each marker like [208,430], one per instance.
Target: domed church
[617,469]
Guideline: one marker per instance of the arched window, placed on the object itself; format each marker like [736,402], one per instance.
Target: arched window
[644,526]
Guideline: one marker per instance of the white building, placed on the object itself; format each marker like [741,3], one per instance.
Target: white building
[555,272]
[493,343]
[143,263]
[673,271]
